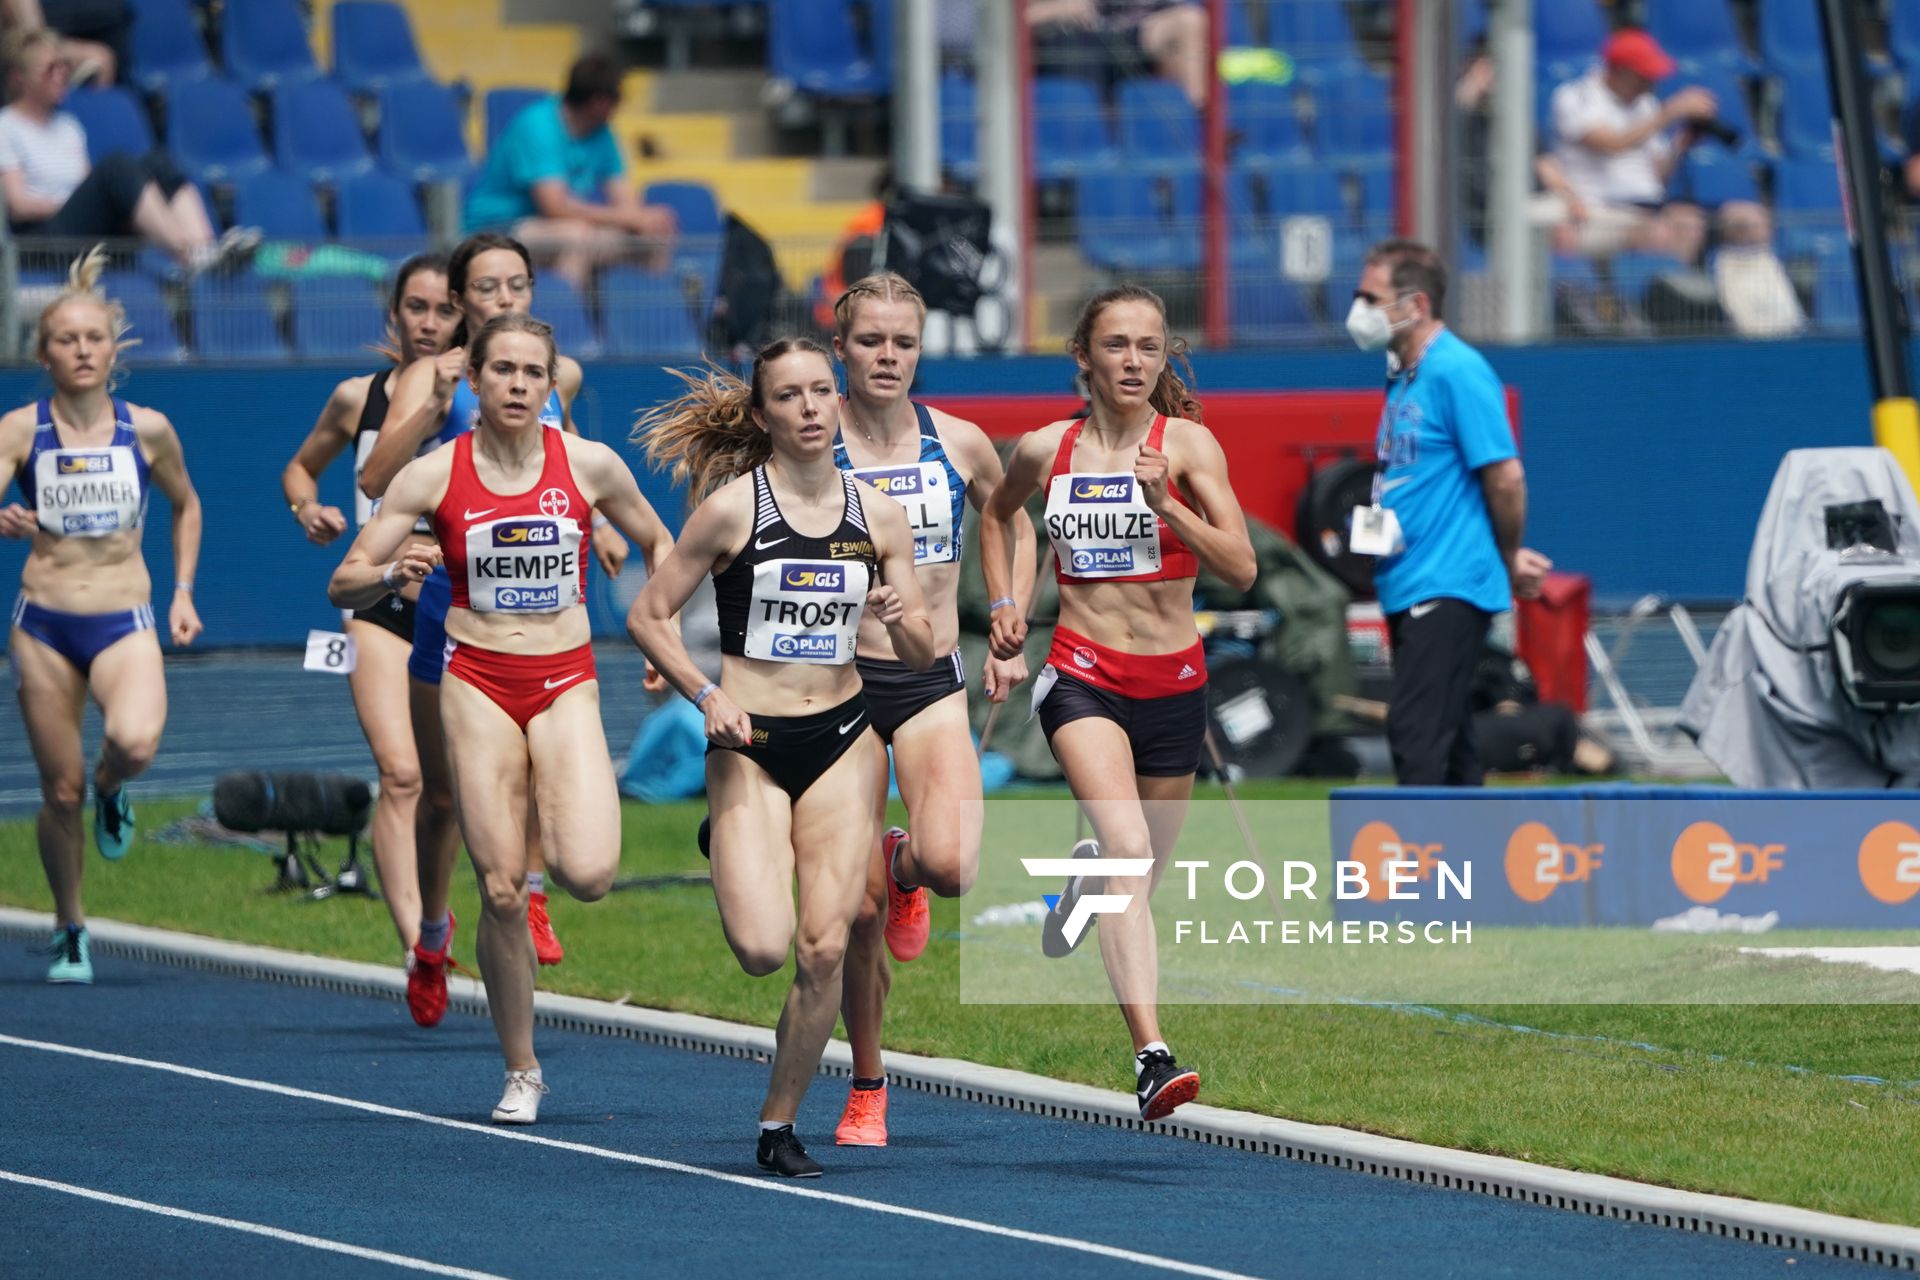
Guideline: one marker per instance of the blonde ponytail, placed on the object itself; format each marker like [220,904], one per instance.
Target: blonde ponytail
[83,285]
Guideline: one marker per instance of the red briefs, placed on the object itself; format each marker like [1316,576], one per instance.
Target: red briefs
[521,684]
[1132,675]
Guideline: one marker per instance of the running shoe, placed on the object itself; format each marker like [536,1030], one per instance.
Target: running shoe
[1164,1084]
[427,980]
[780,1152]
[72,956]
[864,1122]
[520,1104]
[908,919]
[113,825]
[546,947]
[1054,942]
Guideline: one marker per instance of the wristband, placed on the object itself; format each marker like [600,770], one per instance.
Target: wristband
[994,606]
[298,507]
[183,587]
[705,690]
[386,574]
[600,521]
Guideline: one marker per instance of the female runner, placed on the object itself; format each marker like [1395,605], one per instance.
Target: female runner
[432,405]
[1137,500]
[510,505]
[420,320]
[84,618]
[798,552]
[933,464]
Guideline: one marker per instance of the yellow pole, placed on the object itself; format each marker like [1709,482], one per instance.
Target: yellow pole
[1896,428]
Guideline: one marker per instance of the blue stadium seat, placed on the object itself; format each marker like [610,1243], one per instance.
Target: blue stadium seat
[1903,35]
[1135,220]
[1791,39]
[1240,33]
[561,306]
[336,317]
[1316,35]
[692,203]
[422,132]
[1379,191]
[1070,133]
[373,46]
[1354,118]
[1711,176]
[504,104]
[1567,35]
[166,46]
[1699,33]
[1731,94]
[644,313]
[280,204]
[1158,126]
[1806,206]
[1253,224]
[114,121]
[232,319]
[960,125]
[317,132]
[814,45]
[263,44]
[1271,309]
[211,131]
[1304,187]
[1265,117]
[1836,289]
[378,206]
[146,307]
[1806,116]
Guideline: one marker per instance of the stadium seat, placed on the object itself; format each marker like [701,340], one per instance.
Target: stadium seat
[1791,40]
[336,317]
[1253,226]
[1158,126]
[693,205]
[1806,116]
[1699,34]
[422,134]
[1806,205]
[504,104]
[561,306]
[263,44]
[1316,35]
[1133,220]
[1354,118]
[1836,289]
[1070,133]
[114,121]
[1240,33]
[1379,192]
[1731,94]
[1712,176]
[380,207]
[1568,34]
[373,46]
[814,45]
[1903,35]
[644,313]
[317,132]
[1304,187]
[211,131]
[232,319]
[1270,310]
[167,48]
[1267,122]
[959,125]
[146,307]
[280,204]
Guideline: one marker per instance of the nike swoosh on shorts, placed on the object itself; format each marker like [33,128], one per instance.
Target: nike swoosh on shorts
[555,684]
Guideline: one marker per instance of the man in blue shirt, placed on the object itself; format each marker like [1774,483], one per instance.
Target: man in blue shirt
[1450,503]
[556,181]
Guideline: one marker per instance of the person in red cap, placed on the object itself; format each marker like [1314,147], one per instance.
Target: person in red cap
[1615,145]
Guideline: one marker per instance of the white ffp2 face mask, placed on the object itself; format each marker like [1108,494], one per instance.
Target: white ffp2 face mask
[1368,326]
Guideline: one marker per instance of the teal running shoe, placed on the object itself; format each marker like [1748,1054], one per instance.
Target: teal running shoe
[72,955]
[113,826]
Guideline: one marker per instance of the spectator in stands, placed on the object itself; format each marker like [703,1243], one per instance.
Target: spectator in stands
[1612,156]
[52,189]
[555,179]
[1117,39]
[95,34]
[1751,282]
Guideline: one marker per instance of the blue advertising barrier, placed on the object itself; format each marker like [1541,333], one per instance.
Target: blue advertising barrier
[1632,855]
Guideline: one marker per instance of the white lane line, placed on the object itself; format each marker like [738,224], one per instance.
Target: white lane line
[649,1162]
[251,1228]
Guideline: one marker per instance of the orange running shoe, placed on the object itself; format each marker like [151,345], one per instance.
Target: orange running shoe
[546,947]
[427,981]
[908,918]
[864,1123]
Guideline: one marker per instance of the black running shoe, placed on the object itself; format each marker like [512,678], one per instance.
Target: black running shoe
[781,1153]
[704,837]
[1164,1084]
[1054,942]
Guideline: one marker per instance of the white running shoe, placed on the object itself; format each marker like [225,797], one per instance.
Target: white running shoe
[520,1104]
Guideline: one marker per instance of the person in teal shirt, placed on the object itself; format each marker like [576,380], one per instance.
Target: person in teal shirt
[556,181]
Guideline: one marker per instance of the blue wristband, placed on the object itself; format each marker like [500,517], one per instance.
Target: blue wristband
[701,696]
[994,606]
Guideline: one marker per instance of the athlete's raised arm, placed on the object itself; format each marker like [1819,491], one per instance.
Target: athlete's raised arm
[368,573]
[169,471]
[331,436]
[1217,532]
[1025,471]
[896,599]
[714,533]
[422,394]
[985,475]
[16,440]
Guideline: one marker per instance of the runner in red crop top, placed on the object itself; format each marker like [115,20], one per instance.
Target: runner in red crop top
[511,503]
[1123,695]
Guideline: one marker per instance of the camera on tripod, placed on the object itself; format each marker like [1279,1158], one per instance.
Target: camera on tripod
[306,806]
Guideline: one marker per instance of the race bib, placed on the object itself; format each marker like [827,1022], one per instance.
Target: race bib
[1101,527]
[806,610]
[88,493]
[923,490]
[524,564]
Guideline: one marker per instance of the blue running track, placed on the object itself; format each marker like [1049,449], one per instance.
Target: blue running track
[642,1164]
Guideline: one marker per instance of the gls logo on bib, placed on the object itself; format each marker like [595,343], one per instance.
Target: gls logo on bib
[525,533]
[814,577]
[1103,489]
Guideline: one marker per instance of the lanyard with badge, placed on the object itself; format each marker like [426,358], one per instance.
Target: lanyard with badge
[1375,530]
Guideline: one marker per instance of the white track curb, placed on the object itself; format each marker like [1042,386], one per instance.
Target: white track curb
[1778,1226]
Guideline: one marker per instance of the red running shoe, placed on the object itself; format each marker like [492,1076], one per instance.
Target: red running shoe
[546,947]
[908,919]
[864,1122]
[427,980]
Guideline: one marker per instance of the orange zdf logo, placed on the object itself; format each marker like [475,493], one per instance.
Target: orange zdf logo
[1890,862]
[1377,844]
[1707,861]
[1538,862]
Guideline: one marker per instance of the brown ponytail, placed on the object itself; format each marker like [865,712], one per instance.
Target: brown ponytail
[1172,394]
[707,435]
